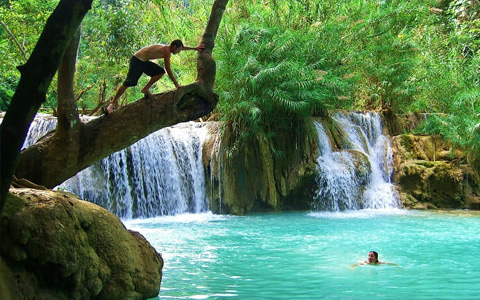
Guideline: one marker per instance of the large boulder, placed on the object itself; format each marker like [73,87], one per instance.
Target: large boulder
[56,246]
[430,173]
[259,173]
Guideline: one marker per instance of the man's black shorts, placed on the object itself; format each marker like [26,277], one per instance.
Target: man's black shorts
[137,67]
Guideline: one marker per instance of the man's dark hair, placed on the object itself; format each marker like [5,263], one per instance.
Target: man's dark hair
[177,43]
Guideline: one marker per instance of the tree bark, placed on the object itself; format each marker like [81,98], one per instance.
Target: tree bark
[36,76]
[67,117]
[53,160]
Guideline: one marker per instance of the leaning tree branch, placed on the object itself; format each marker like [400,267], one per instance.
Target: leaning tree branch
[82,92]
[67,117]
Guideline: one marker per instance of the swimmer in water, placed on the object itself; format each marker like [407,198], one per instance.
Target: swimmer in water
[372,260]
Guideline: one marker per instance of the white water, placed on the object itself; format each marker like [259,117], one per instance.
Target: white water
[40,126]
[161,174]
[340,187]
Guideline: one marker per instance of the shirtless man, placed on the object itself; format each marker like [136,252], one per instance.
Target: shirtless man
[372,260]
[140,63]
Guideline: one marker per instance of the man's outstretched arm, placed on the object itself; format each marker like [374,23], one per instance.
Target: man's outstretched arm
[198,48]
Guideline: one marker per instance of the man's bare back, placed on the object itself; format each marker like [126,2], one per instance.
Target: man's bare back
[153,52]
[143,56]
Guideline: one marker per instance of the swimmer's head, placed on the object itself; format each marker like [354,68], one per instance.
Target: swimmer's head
[372,257]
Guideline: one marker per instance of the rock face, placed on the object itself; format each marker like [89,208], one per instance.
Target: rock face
[250,176]
[55,246]
[430,174]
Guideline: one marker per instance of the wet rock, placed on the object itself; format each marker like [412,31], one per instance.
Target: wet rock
[259,173]
[56,246]
[432,174]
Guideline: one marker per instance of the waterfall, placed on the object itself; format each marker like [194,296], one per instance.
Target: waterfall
[40,126]
[337,184]
[164,174]
[161,174]
[359,175]
[215,168]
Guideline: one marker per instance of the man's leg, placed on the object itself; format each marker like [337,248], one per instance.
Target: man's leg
[153,79]
[119,93]
[135,70]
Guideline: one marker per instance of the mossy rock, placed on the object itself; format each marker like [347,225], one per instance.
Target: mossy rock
[363,168]
[60,247]
[435,184]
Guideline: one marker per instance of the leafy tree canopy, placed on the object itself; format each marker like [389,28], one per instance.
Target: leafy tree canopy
[281,62]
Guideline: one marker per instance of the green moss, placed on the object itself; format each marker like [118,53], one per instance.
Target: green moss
[7,281]
[427,164]
[337,135]
[406,142]
[13,204]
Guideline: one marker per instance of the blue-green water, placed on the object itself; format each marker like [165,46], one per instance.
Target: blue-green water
[308,255]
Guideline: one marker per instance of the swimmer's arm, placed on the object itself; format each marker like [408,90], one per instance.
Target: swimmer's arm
[387,263]
[358,264]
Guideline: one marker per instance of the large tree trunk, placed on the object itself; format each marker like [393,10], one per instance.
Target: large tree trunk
[67,110]
[36,76]
[53,160]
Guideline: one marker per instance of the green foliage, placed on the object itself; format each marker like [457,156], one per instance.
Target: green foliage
[272,74]
[24,19]
[114,30]
[408,56]
[111,32]
[448,85]
[270,83]
[459,127]
[281,62]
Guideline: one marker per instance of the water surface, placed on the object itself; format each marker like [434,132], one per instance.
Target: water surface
[308,255]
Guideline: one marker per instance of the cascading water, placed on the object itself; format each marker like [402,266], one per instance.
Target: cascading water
[161,174]
[358,176]
[337,184]
[40,126]
[215,168]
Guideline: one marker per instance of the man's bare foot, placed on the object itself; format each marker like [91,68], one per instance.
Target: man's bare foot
[109,109]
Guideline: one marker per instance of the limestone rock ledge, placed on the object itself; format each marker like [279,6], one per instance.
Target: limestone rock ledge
[431,174]
[259,174]
[56,246]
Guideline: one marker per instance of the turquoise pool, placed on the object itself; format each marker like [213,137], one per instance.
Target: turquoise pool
[308,255]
